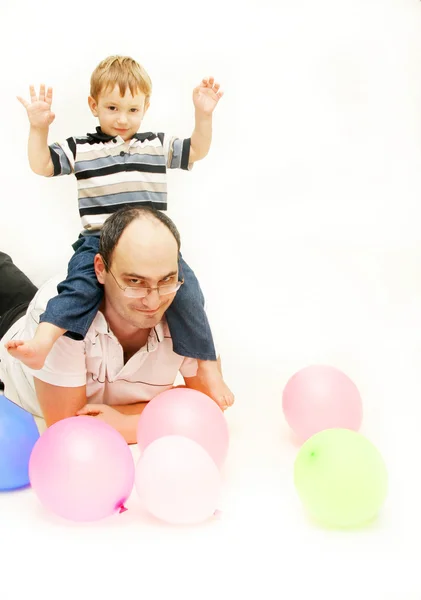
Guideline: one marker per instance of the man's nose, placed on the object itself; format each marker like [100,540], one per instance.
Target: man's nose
[152,300]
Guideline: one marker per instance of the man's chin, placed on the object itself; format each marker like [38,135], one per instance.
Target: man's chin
[148,320]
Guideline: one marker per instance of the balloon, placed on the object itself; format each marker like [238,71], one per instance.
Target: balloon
[82,469]
[18,434]
[321,397]
[177,481]
[341,478]
[189,413]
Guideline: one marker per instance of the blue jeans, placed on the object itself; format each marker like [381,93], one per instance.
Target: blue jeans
[80,296]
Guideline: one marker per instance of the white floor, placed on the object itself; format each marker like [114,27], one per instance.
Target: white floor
[361,313]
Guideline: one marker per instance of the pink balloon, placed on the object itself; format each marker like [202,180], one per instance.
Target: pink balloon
[177,481]
[82,469]
[189,413]
[321,397]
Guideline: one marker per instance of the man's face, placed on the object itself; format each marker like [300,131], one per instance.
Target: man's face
[119,115]
[145,256]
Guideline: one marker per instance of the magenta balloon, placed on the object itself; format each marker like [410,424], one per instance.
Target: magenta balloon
[177,481]
[321,397]
[82,469]
[188,413]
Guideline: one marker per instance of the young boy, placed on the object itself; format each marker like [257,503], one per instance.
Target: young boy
[118,166]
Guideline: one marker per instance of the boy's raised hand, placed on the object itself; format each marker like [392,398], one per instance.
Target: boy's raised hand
[39,109]
[206,96]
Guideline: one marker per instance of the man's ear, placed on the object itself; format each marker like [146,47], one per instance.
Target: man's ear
[93,105]
[99,267]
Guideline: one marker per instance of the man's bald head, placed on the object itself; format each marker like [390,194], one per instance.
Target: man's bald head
[146,248]
[136,226]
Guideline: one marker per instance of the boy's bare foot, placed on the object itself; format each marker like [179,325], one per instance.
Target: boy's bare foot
[210,377]
[30,352]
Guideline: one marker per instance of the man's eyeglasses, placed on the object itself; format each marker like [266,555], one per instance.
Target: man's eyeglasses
[142,291]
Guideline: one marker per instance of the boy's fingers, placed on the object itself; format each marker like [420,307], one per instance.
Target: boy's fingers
[23,101]
[32,93]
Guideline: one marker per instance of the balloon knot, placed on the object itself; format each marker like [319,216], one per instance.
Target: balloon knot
[122,509]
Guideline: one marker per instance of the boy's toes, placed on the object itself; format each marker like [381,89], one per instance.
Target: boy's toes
[11,344]
[226,401]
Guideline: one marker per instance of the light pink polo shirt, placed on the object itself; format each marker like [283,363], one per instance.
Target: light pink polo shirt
[97,361]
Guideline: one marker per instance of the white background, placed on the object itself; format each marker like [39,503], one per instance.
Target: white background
[303,227]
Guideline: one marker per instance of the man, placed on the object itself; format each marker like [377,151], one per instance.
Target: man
[127,357]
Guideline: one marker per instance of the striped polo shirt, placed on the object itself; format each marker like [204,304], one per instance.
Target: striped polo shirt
[111,173]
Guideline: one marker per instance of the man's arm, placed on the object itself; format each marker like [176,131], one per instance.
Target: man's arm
[132,413]
[124,419]
[57,402]
[130,409]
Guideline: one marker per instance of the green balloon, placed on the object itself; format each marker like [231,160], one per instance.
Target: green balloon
[341,478]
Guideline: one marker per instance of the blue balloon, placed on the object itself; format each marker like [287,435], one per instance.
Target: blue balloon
[18,435]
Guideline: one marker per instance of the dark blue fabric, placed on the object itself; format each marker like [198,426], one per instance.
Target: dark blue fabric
[16,293]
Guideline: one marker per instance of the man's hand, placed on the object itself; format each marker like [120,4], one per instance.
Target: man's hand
[206,96]
[39,109]
[123,418]
[105,413]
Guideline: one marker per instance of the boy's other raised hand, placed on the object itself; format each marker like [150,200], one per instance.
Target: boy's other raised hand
[39,108]
[207,95]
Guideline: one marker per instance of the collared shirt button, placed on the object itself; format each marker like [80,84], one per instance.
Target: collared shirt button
[122,153]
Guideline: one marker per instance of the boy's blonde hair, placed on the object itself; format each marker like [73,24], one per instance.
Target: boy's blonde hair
[122,71]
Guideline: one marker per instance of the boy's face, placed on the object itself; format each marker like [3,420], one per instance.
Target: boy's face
[119,115]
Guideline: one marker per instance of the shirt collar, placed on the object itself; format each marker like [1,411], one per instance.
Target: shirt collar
[100,136]
[156,334]
[160,330]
